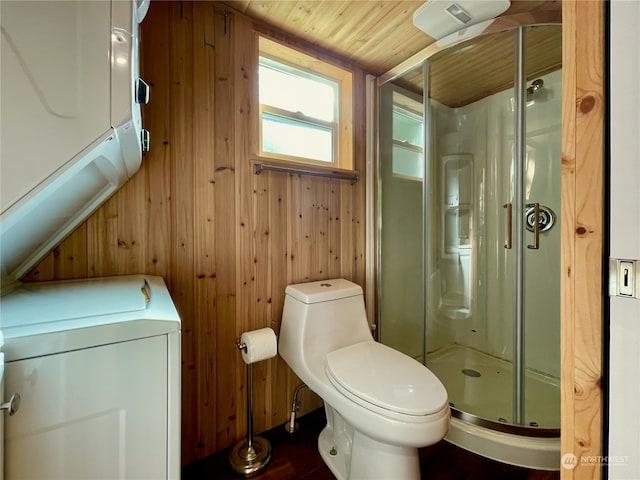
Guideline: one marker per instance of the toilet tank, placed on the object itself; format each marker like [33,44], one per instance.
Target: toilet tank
[320,317]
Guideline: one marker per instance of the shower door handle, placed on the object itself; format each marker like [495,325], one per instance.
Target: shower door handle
[536,227]
[508,242]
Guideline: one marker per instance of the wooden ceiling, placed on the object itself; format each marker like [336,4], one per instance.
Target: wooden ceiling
[486,65]
[376,34]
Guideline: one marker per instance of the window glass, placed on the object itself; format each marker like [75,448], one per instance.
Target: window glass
[287,136]
[407,162]
[407,127]
[295,90]
[408,143]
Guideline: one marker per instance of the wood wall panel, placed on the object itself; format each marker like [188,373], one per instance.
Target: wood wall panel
[226,241]
[244,57]
[67,259]
[224,182]
[157,174]
[582,239]
[203,221]
[181,273]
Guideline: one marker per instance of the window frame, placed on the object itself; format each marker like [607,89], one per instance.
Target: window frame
[342,128]
[301,118]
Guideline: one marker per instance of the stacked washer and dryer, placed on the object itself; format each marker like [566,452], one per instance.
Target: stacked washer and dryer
[90,368]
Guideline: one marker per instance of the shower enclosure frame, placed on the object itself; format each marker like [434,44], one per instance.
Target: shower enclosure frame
[519,156]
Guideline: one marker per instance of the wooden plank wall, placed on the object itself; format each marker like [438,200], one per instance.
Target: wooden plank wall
[226,241]
[582,239]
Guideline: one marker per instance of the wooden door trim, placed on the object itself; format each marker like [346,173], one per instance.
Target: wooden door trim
[582,238]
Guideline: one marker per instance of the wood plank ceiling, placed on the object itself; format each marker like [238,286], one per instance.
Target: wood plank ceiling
[375,34]
[485,65]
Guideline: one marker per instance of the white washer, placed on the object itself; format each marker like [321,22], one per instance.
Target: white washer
[97,365]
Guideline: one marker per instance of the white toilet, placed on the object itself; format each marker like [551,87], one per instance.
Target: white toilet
[381,405]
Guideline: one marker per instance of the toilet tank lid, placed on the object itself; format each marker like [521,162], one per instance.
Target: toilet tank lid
[323,290]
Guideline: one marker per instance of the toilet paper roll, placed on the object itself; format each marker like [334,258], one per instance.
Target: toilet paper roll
[260,345]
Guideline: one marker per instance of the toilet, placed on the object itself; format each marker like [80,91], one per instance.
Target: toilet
[381,405]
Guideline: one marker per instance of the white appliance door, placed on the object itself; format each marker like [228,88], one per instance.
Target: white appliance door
[55,88]
[88,414]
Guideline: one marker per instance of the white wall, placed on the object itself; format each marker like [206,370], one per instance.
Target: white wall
[624,370]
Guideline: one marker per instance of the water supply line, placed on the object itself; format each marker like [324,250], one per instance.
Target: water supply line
[292,426]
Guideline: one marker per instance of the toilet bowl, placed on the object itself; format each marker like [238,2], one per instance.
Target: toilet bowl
[381,405]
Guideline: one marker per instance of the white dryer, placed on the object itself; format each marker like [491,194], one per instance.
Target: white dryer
[97,366]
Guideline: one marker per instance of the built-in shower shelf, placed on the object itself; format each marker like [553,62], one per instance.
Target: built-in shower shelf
[454,306]
[456,313]
[461,206]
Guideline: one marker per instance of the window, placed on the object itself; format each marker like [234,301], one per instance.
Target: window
[305,108]
[408,138]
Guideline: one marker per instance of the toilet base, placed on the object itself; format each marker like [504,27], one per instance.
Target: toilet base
[351,455]
[336,459]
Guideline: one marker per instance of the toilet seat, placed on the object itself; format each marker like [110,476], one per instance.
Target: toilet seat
[386,381]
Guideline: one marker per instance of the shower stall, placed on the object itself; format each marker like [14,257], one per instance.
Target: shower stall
[468,243]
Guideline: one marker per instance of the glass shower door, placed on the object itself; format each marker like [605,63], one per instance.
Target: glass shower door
[468,253]
[400,224]
[470,274]
[541,191]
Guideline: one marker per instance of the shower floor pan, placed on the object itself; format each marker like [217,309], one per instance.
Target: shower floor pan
[481,386]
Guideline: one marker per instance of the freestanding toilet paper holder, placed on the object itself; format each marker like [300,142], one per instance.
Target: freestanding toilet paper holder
[249,456]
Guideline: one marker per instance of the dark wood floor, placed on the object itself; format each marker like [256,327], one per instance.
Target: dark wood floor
[295,456]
